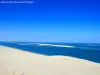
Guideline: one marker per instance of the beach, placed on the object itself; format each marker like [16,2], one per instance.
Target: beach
[18,62]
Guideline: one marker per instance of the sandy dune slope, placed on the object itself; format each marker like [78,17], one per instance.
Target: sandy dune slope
[17,62]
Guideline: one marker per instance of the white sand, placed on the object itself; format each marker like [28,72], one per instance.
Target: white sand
[16,62]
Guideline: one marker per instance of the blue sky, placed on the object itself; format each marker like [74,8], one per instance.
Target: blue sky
[51,21]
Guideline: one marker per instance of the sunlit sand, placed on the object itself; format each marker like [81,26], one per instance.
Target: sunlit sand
[17,62]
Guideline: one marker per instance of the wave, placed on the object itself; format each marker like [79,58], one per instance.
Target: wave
[56,45]
[93,45]
[38,44]
[27,43]
[88,48]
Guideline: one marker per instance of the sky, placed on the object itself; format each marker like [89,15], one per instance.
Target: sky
[72,21]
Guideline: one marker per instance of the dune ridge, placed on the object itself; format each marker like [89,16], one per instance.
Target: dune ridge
[17,62]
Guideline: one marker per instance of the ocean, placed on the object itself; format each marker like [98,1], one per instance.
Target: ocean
[87,51]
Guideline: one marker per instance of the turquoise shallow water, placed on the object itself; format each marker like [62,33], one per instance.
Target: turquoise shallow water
[86,51]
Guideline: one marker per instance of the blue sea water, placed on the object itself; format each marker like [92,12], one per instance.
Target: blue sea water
[86,51]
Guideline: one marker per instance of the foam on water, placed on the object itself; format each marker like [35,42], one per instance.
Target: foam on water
[56,45]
